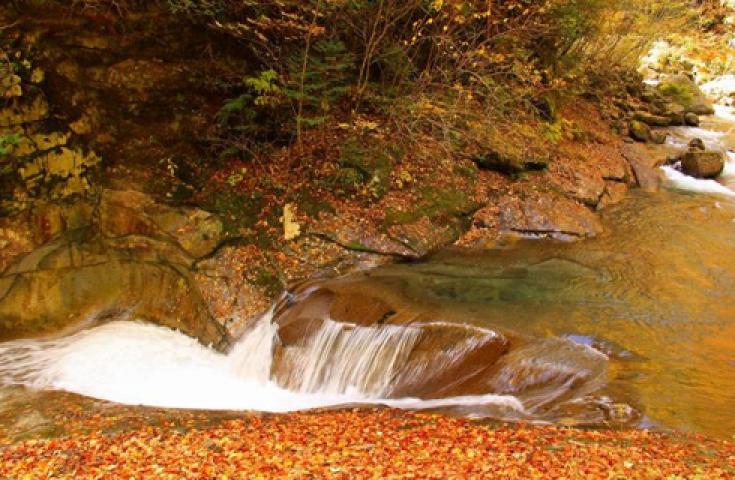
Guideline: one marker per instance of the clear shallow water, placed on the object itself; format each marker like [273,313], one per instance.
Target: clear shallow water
[656,292]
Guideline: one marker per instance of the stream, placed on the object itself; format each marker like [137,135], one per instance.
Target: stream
[636,325]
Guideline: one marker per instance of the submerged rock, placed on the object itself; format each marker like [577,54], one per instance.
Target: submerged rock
[346,336]
[334,339]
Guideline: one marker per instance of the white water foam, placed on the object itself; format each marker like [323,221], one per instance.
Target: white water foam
[724,112]
[141,364]
[728,173]
[678,180]
[681,136]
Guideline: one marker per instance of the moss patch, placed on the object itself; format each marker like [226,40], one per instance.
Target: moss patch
[433,203]
[369,164]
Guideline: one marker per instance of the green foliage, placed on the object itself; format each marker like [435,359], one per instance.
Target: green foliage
[681,94]
[321,81]
[258,112]
[316,84]
[553,132]
[7,142]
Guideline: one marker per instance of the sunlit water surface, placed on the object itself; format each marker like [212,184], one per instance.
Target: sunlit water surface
[656,292]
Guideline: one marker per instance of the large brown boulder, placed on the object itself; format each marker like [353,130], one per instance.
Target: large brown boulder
[703,164]
[68,284]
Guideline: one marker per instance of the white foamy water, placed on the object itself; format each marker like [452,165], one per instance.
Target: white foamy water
[678,180]
[724,112]
[681,136]
[728,173]
[142,364]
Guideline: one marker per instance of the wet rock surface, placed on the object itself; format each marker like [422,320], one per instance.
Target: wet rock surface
[124,255]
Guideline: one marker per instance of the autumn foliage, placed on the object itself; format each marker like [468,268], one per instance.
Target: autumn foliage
[367,444]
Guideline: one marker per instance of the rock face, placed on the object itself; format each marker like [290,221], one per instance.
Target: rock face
[645,167]
[132,258]
[548,215]
[703,164]
[123,213]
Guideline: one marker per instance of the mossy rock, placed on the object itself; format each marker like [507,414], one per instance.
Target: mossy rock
[370,164]
[237,210]
[346,180]
[683,91]
[514,149]
[640,131]
[310,205]
[434,204]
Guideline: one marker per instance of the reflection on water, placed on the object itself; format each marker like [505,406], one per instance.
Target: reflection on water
[656,292]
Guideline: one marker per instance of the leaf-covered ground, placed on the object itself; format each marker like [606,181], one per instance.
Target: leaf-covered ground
[365,444]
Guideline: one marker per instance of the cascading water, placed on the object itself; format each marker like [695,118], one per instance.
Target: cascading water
[339,363]
[341,359]
[715,137]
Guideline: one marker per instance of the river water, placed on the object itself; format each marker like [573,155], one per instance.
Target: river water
[646,311]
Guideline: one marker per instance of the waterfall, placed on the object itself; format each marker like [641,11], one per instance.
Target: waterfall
[343,359]
[335,364]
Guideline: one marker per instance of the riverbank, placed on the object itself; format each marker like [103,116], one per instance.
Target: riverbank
[357,444]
